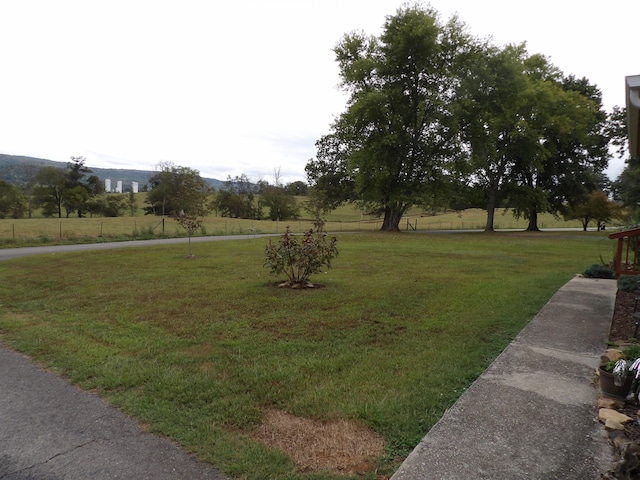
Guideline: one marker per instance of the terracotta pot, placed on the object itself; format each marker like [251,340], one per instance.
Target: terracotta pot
[610,389]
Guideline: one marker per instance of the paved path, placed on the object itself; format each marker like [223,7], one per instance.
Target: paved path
[51,430]
[532,414]
[8,253]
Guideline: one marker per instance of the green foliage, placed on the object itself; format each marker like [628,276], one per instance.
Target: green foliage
[56,188]
[49,190]
[627,186]
[299,257]
[629,283]
[631,352]
[388,149]
[13,203]
[108,205]
[282,204]
[166,185]
[598,271]
[434,114]
[297,188]
[596,208]
[238,198]
[188,196]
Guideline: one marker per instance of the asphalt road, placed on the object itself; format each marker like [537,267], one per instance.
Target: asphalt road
[51,430]
[9,253]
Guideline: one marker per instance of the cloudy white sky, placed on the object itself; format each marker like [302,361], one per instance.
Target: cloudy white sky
[232,87]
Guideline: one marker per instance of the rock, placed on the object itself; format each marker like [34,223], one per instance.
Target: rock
[612,355]
[605,414]
[613,425]
[605,402]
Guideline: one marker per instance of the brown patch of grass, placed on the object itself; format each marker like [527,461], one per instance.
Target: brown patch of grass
[343,447]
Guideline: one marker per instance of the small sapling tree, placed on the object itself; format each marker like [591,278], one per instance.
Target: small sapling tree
[189,200]
[300,256]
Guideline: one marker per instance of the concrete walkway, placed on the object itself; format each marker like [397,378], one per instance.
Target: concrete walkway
[533,413]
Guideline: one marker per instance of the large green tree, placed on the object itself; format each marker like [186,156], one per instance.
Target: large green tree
[79,187]
[175,189]
[535,139]
[626,188]
[239,198]
[49,190]
[389,149]
[13,204]
[190,200]
[282,204]
[568,125]
[490,110]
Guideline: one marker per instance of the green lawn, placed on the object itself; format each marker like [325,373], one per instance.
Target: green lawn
[199,349]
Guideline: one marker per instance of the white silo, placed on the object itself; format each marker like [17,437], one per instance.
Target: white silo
[107,185]
[119,186]
[134,187]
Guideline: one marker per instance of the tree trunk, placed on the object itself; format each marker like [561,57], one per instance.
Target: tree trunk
[391,222]
[491,210]
[585,224]
[533,222]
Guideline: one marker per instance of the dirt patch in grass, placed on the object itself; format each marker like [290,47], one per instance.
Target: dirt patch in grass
[343,447]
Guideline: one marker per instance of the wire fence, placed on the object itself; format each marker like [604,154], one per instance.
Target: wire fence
[60,229]
[44,229]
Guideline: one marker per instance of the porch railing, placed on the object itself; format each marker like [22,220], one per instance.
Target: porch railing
[626,261]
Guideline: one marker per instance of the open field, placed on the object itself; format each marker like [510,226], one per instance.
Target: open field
[345,219]
[203,350]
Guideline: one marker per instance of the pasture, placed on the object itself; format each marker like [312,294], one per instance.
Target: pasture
[203,350]
[42,231]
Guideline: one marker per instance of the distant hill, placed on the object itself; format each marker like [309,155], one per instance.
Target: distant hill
[17,170]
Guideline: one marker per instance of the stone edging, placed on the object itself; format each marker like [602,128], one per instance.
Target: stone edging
[627,451]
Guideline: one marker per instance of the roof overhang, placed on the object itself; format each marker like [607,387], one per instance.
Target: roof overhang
[633,113]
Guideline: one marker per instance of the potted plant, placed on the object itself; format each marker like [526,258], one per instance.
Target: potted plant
[620,377]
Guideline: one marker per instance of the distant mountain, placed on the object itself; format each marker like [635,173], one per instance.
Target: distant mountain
[17,170]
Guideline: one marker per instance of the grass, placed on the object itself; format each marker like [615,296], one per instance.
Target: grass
[198,349]
[45,231]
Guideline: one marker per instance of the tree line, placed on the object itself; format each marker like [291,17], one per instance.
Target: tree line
[173,190]
[437,117]
[59,192]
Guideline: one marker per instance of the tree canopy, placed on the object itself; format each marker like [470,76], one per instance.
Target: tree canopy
[389,149]
[174,190]
[436,116]
[72,189]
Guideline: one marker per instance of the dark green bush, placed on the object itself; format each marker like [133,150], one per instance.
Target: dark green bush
[598,271]
[629,283]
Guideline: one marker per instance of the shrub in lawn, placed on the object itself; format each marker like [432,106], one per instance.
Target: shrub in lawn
[598,271]
[300,256]
[629,283]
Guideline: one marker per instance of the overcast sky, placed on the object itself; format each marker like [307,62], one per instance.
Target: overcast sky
[232,87]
